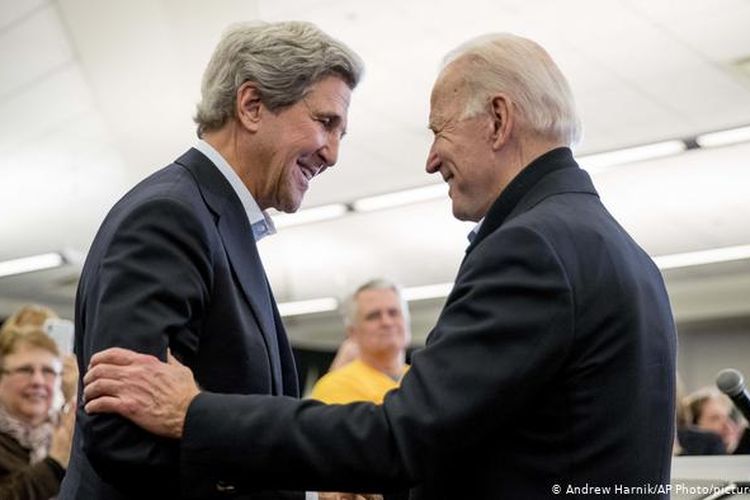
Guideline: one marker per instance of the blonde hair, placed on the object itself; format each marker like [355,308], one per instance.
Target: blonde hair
[30,335]
[28,315]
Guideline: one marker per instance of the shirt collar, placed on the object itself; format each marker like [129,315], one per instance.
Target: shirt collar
[520,186]
[259,220]
[473,233]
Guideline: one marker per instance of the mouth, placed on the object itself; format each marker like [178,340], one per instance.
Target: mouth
[309,169]
[36,397]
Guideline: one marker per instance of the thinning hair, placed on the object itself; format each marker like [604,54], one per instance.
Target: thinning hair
[523,70]
[350,307]
[283,59]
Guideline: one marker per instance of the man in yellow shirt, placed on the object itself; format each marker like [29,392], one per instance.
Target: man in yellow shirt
[377,320]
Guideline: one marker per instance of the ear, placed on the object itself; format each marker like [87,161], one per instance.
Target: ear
[249,108]
[503,118]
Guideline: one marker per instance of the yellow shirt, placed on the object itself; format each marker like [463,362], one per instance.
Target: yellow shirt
[352,382]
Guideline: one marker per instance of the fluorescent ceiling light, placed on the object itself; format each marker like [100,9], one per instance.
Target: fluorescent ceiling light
[597,162]
[30,264]
[437,291]
[724,137]
[316,214]
[401,198]
[702,257]
[308,306]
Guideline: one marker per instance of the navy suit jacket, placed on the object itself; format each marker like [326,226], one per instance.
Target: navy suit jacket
[174,265]
[552,363]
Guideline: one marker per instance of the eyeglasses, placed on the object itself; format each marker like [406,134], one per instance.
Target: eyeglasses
[28,371]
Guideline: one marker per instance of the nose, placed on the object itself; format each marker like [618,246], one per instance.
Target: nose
[329,153]
[37,377]
[433,161]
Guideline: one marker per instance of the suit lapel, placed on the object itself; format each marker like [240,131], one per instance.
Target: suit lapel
[242,252]
[243,255]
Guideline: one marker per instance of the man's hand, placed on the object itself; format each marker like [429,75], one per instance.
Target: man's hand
[141,388]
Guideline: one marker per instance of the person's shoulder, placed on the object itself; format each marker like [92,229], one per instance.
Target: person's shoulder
[347,370]
[336,386]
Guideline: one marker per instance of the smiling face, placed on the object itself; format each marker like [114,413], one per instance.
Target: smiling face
[715,417]
[27,383]
[298,142]
[462,148]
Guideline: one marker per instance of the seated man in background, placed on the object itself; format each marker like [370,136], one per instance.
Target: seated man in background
[34,446]
[377,321]
[713,411]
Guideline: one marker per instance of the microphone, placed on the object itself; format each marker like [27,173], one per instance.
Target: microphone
[732,383]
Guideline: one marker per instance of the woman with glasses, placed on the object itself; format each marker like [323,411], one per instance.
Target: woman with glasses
[34,443]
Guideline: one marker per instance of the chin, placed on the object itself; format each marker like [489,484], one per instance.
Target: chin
[289,206]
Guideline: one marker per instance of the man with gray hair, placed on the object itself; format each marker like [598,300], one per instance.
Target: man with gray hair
[377,320]
[550,370]
[175,264]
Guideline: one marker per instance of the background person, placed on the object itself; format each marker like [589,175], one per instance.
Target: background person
[377,321]
[34,443]
[38,315]
[689,438]
[713,411]
[551,363]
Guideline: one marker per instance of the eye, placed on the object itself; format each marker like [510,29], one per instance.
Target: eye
[25,370]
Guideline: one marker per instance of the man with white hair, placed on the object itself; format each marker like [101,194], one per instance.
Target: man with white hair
[551,367]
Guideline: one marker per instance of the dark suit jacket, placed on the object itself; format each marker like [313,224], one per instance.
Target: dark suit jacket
[174,265]
[552,363]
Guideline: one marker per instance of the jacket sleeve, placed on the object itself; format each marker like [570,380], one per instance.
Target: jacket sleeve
[149,291]
[505,330]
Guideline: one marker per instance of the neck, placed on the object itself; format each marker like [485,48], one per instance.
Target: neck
[518,155]
[391,365]
[531,149]
[23,420]
[229,144]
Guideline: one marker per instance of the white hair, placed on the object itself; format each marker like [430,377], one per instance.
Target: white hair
[523,70]
[350,307]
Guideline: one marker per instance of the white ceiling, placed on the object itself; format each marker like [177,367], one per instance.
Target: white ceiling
[95,95]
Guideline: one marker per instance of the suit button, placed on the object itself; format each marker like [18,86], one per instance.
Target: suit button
[223,487]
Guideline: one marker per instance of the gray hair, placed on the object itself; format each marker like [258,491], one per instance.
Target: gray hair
[284,59]
[521,68]
[350,306]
